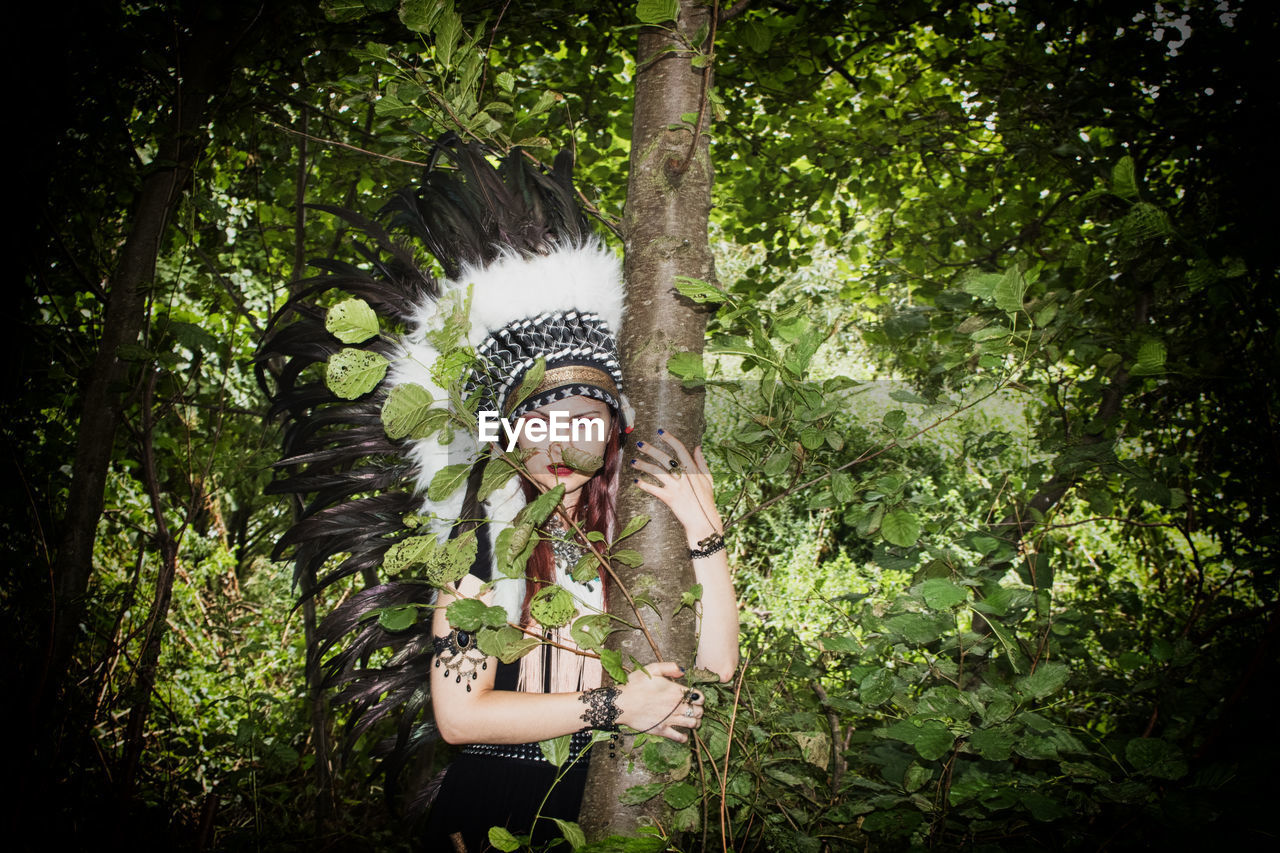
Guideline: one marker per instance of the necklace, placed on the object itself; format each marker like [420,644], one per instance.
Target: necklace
[567,552]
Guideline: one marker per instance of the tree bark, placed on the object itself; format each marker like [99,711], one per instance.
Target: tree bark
[665,232]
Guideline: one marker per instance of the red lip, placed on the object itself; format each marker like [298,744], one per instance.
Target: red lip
[560,470]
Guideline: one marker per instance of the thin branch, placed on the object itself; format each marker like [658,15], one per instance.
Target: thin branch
[728,750]
[346,145]
[702,99]
[734,11]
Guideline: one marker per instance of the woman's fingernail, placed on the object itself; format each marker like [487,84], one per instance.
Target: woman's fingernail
[636,481]
[695,696]
[633,461]
[639,444]
[681,669]
[660,432]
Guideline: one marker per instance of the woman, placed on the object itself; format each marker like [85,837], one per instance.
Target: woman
[492,785]
[519,292]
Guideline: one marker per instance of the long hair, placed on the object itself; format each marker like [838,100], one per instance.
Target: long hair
[597,510]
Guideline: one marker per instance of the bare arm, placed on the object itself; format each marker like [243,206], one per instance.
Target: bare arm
[485,715]
[691,499]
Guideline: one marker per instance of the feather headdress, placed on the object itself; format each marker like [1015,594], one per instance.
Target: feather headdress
[524,282]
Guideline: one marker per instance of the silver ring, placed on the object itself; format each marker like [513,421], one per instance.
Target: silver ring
[688,712]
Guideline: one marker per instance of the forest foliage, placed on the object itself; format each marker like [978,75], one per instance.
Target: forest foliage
[991,375]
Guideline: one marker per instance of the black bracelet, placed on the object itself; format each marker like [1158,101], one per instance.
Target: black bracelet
[602,709]
[707,547]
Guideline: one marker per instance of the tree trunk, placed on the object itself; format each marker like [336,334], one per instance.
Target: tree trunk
[102,401]
[665,229]
[144,677]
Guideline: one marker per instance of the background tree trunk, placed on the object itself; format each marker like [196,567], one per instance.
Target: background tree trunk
[665,229]
[205,64]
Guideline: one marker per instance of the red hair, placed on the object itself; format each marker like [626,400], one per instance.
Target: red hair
[596,510]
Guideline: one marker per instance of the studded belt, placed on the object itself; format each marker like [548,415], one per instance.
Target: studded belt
[578,743]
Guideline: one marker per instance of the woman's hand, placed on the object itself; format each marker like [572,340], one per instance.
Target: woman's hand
[683,484]
[651,702]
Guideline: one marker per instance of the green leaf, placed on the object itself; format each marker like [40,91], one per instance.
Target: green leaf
[877,687]
[502,839]
[1156,757]
[590,631]
[587,568]
[407,412]
[915,627]
[665,756]
[893,420]
[900,528]
[512,562]
[1010,290]
[1048,679]
[497,473]
[633,526]
[506,81]
[935,740]
[447,480]
[467,614]
[1124,182]
[351,373]
[1042,808]
[990,333]
[843,487]
[982,285]
[612,663]
[398,618]
[507,644]
[580,460]
[690,597]
[931,738]
[903,396]
[680,796]
[351,321]
[571,831]
[552,607]
[409,553]
[698,290]
[1012,653]
[628,557]
[688,366]
[756,35]
[1151,357]
[495,617]
[777,463]
[532,379]
[657,11]
[942,594]
[555,750]
[540,509]
[993,744]
[815,747]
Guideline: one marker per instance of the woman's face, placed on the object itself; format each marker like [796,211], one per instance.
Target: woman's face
[583,423]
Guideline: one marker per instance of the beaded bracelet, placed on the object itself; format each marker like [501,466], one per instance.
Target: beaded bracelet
[707,547]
